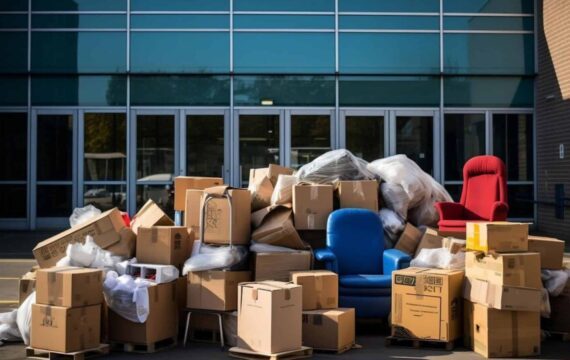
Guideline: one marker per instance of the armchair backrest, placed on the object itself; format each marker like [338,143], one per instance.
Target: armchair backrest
[356,237]
[484,182]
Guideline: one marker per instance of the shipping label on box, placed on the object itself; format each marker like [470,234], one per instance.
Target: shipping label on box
[183,183]
[279,265]
[514,269]
[320,288]
[409,239]
[329,329]
[551,251]
[500,236]
[217,219]
[360,194]
[165,245]
[150,215]
[501,297]
[312,205]
[215,290]
[69,286]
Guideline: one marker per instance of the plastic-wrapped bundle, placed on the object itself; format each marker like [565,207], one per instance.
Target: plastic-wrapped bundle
[393,226]
[127,296]
[24,317]
[395,198]
[555,280]
[208,257]
[283,192]
[440,258]
[84,214]
[333,166]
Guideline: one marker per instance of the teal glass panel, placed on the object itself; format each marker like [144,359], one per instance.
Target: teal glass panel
[79,5]
[398,53]
[14,51]
[74,21]
[79,90]
[180,52]
[14,5]
[284,90]
[283,21]
[13,91]
[510,54]
[369,22]
[180,5]
[389,5]
[180,90]
[180,21]
[283,5]
[284,52]
[79,51]
[14,21]
[488,92]
[366,91]
[489,6]
[488,23]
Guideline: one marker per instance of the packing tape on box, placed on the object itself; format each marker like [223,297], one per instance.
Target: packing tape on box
[314,193]
[474,239]
[357,189]
[311,221]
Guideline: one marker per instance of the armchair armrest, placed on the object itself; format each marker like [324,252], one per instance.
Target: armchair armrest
[394,259]
[328,257]
[449,210]
[499,211]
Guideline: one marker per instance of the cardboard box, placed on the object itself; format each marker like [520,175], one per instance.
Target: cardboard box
[429,240]
[269,317]
[279,265]
[426,303]
[150,215]
[320,288]
[215,290]
[329,329]
[361,194]
[192,210]
[559,320]
[312,204]
[501,297]
[260,188]
[230,328]
[551,251]
[27,285]
[62,329]
[274,226]
[218,218]
[454,245]
[273,172]
[69,286]
[514,269]
[183,183]
[499,333]
[108,231]
[161,324]
[166,245]
[409,239]
[500,236]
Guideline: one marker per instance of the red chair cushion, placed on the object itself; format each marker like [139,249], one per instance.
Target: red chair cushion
[482,192]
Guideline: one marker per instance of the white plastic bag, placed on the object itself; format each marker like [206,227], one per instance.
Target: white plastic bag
[89,255]
[121,268]
[84,214]
[208,257]
[555,281]
[283,192]
[266,248]
[24,317]
[395,198]
[439,258]
[9,327]
[127,296]
[333,166]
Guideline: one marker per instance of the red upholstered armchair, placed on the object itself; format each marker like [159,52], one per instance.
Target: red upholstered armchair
[484,195]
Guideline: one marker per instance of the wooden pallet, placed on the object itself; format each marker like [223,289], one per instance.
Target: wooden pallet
[146,348]
[302,353]
[32,353]
[419,343]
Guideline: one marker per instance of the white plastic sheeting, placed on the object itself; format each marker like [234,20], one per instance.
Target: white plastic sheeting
[334,166]
[440,258]
[208,257]
[84,214]
[9,327]
[555,280]
[393,225]
[89,255]
[127,296]
[24,317]
[395,198]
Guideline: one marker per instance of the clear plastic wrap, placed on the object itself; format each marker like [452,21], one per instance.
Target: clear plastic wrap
[24,317]
[334,166]
[127,296]
[81,215]
[9,327]
[89,255]
[266,248]
[440,258]
[208,257]
[395,198]
[393,225]
[555,280]
[283,192]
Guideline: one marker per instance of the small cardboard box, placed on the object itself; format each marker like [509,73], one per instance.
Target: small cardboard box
[409,239]
[69,286]
[27,285]
[62,329]
[218,218]
[551,251]
[514,269]
[498,333]
[273,172]
[500,236]
[274,226]
[165,245]
[269,317]
[312,204]
[329,329]
[320,288]
[430,240]
[559,320]
[426,303]
[192,210]
[215,290]
[183,183]
[501,297]
[150,215]
[279,265]
[108,230]
[260,187]
[361,194]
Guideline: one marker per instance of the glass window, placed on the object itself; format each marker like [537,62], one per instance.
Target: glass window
[389,91]
[155,147]
[180,21]
[389,5]
[414,138]
[79,5]
[79,51]
[455,191]
[180,90]
[160,194]
[310,138]
[14,5]
[284,90]
[180,5]
[388,22]
[79,90]
[105,197]
[54,201]
[54,147]
[488,91]
[205,145]
[512,142]
[13,146]
[464,138]
[389,53]
[258,143]
[489,6]
[283,5]
[13,91]
[74,21]
[284,52]
[521,198]
[489,53]
[365,136]
[14,201]
[16,59]
[177,52]
[488,23]
[105,142]
[14,21]
[283,22]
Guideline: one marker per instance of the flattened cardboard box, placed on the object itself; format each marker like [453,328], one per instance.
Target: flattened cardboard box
[320,288]
[150,215]
[164,245]
[409,239]
[27,285]
[360,194]
[274,226]
[69,286]
[215,290]
[183,183]
[499,236]
[312,205]
[217,220]
[514,269]
[278,266]
[551,251]
[429,240]
[501,297]
[61,329]
[329,329]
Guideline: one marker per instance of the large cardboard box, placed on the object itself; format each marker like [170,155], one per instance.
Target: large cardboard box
[514,269]
[150,215]
[409,239]
[218,219]
[215,290]
[27,285]
[192,210]
[269,317]
[161,324]
[108,231]
[62,329]
[502,297]
[559,320]
[183,183]
[360,194]
[274,226]
[69,286]
[426,303]
[500,236]
[429,240]
[498,333]
[312,204]
[329,329]
[551,251]
[320,288]
[279,265]
[165,245]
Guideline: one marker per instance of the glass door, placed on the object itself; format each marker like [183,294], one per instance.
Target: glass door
[364,133]
[312,135]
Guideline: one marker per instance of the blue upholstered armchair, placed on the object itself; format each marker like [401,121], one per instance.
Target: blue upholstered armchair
[355,251]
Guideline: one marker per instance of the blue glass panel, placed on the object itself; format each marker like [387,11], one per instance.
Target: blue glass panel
[284,52]
[389,53]
[16,21]
[487,23]
[489,6]
[489,53]
[79,5]
[14,51]
[13,91]
[79,21]
[14,5]
[488,92]
[180,5]
[283,5]
[180,21]
[79,51]
[389,5]
[389,22]
[13,147]
[79,90]
[180,52]
[284,21]
[180,90]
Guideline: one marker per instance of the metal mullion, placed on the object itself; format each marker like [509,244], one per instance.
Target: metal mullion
[14,12]
[63,12]
[499,32]
[105,182]
[489,14]
[310,13]
[285,141]
[30,189]
[13,182]
[32,167]
[79,30]
[286,30]
[380,13]
[151,12]
[182,170]
[389,31]
[128,46]
[13,30]
[80,156]
[179,30]
[54,182]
